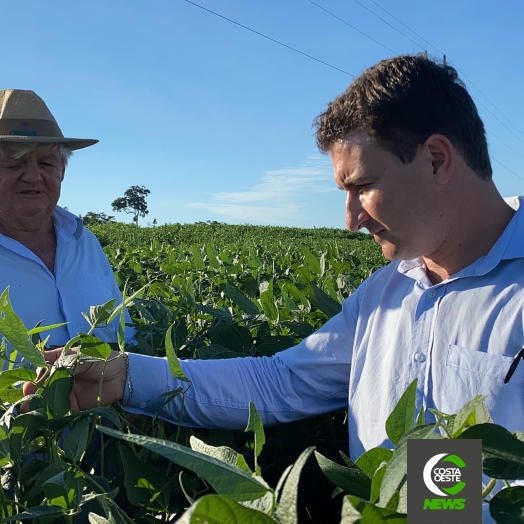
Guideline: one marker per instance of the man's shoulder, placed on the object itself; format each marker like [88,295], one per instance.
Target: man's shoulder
[73,227]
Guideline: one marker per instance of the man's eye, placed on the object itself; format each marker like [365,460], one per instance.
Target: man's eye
[14,166]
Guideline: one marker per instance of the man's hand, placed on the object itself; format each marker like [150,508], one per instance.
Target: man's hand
[87,379]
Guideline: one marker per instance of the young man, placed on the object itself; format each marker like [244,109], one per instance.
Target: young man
[409,149]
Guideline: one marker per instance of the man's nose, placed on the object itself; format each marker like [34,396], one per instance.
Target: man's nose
[355,214]
[32,172]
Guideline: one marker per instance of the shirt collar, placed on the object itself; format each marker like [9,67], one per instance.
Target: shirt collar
[510,245]
[66,224]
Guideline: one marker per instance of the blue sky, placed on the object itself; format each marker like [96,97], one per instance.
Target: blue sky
[215,120]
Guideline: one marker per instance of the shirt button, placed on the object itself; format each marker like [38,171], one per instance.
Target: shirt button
[143,405]
[431,293]
[420,357]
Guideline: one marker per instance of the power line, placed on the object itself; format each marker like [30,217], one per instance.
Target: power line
[442,53]
[269,38]
[518,176]
[439,51]
[390,25]
[402,23]
[494,106]
[498,119]
[353,27]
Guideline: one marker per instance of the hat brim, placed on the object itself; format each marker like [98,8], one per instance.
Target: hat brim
[71,143]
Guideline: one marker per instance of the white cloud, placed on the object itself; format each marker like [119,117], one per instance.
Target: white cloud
[278,197]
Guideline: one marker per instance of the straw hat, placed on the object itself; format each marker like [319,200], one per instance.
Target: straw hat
[24,117]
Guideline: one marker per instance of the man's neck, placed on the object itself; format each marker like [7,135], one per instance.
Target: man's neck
[476,232]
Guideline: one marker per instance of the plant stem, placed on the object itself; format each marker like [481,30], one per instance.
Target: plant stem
[4,503]
[100,383]
[489,488]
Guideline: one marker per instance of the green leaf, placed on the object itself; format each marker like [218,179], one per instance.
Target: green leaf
[172,359]
[255,425]
[4,443]
[507,506]
[57,390]
[217,351]
[143,482]
[270,345]
[221,314]
[74,443]
[11,395]
[243,302]
[197,260]
[466,417]
[225,479]
[94,347]
[502,452]
[286,512]
[402,418]
[268,305]
[34,513]
[232,336]
[120,309]
[369,461]
[396,472]
[355,510]
[212,257]
[64,489]
[99,314]
[302,329]
[325,303]
[113,511]
[351,480]
[97,519]
[311,260]
[23,430]
[217,509]
[421,418]
[376,483]
[13,329]
[46,474]
[39,329]
[12,376]
[222,453]
[105,412]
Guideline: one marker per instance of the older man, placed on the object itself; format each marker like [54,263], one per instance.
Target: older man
[54,267]
[409,149]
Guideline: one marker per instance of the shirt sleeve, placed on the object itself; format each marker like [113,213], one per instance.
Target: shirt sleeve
[308,379]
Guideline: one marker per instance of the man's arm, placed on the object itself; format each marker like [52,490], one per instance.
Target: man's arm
[305,380]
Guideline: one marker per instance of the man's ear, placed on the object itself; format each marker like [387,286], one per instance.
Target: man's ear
[442,156]
[63,174]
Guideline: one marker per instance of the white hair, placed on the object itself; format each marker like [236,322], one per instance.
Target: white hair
[19,149]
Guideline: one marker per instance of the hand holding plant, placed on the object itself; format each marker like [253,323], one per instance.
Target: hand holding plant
[88,380]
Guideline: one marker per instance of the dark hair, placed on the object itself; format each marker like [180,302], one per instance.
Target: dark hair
[402,101]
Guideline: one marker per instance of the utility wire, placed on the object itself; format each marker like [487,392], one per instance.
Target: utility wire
[518,176]
[498,119]
[509,147]
[353,27]
[269,38]
[390,25]
[494,106]
[407,27]
[376,41]
[442,53]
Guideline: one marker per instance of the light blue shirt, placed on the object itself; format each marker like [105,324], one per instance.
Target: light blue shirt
[82,278]
[458,338]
